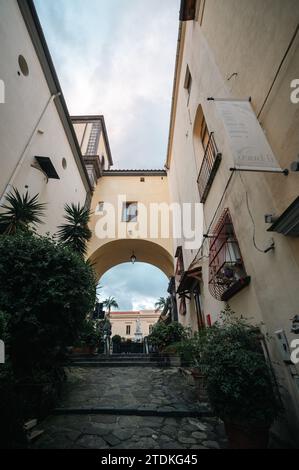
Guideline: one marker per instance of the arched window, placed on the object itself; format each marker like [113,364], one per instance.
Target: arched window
[206,153]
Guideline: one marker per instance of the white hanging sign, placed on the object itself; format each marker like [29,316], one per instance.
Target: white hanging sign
[249,145]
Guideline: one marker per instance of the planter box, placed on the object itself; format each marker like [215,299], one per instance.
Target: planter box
[88,350]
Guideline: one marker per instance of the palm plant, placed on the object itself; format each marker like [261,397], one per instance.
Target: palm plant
[109,303]
[75,233]
[161,303]
[20,212]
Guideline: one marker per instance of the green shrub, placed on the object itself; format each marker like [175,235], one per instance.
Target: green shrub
[47,291]
[164,335]
[90,334]
[240,382]
[116,339]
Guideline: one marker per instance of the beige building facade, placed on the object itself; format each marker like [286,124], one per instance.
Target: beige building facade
[226,53]
[124,324]
[121,220]
[39,151]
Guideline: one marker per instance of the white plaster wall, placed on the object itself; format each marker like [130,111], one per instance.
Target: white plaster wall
[26,98]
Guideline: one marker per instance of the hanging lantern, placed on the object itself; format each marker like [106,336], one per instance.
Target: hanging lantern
[133,258]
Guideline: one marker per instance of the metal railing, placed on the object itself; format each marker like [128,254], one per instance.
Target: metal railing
[208,169]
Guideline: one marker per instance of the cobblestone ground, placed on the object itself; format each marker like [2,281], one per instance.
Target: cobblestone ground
[129,387]
[125,387]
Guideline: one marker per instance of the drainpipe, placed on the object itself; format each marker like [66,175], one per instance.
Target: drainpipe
[23,154]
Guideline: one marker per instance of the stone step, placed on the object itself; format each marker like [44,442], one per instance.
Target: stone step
[119,364]
[200,411]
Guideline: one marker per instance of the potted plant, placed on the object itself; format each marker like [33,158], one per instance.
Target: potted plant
[240,382]
[89,339]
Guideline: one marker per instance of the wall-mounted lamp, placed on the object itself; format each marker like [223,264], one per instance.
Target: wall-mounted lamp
[133,258]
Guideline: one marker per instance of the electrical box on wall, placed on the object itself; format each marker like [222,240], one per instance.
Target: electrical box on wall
[283,345]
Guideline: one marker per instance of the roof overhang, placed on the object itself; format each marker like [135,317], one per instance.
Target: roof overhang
[288,223]
[189,279]
[134,173]
[187,10]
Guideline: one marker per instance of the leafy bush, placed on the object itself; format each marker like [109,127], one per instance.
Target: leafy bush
[90,334]
[191,348]
[116,339]
[46,291]
[240,382]
[164,335]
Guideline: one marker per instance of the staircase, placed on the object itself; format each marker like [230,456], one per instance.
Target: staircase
[123,360]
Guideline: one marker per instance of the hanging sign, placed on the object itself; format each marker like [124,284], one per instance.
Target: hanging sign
[249,145]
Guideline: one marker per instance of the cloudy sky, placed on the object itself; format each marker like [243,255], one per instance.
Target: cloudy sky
[116,57]
[135,287]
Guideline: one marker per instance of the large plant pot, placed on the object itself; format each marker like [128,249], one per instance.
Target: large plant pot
[89,350]
[241,437]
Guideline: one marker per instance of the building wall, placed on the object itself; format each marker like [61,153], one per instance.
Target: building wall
[120,320]
[232,39]
[26,98]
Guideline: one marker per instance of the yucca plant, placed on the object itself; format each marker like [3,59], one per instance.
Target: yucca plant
[21,212]
[75,233]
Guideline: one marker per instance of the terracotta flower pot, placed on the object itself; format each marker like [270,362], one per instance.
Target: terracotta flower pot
[242,437]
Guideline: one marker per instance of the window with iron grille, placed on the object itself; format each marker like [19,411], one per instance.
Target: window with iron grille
[227,274]
[210,162]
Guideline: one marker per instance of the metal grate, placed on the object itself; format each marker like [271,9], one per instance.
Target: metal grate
[227,274]
[94,137]
[208,169]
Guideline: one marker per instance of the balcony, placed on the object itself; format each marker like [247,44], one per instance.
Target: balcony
[227,273]
[208,169]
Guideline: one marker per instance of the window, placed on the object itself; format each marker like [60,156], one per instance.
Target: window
[128,330]
[188,82]
[150,328]
[205,145]
[227,274]
[130,212]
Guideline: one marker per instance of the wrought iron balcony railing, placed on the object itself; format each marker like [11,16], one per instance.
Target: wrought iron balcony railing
[208,169]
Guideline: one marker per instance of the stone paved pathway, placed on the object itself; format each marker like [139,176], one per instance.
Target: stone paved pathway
[160,388]
[163,389]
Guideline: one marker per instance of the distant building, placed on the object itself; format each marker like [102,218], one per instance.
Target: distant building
[124,324]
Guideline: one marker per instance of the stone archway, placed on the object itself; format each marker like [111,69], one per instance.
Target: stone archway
[119,251]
